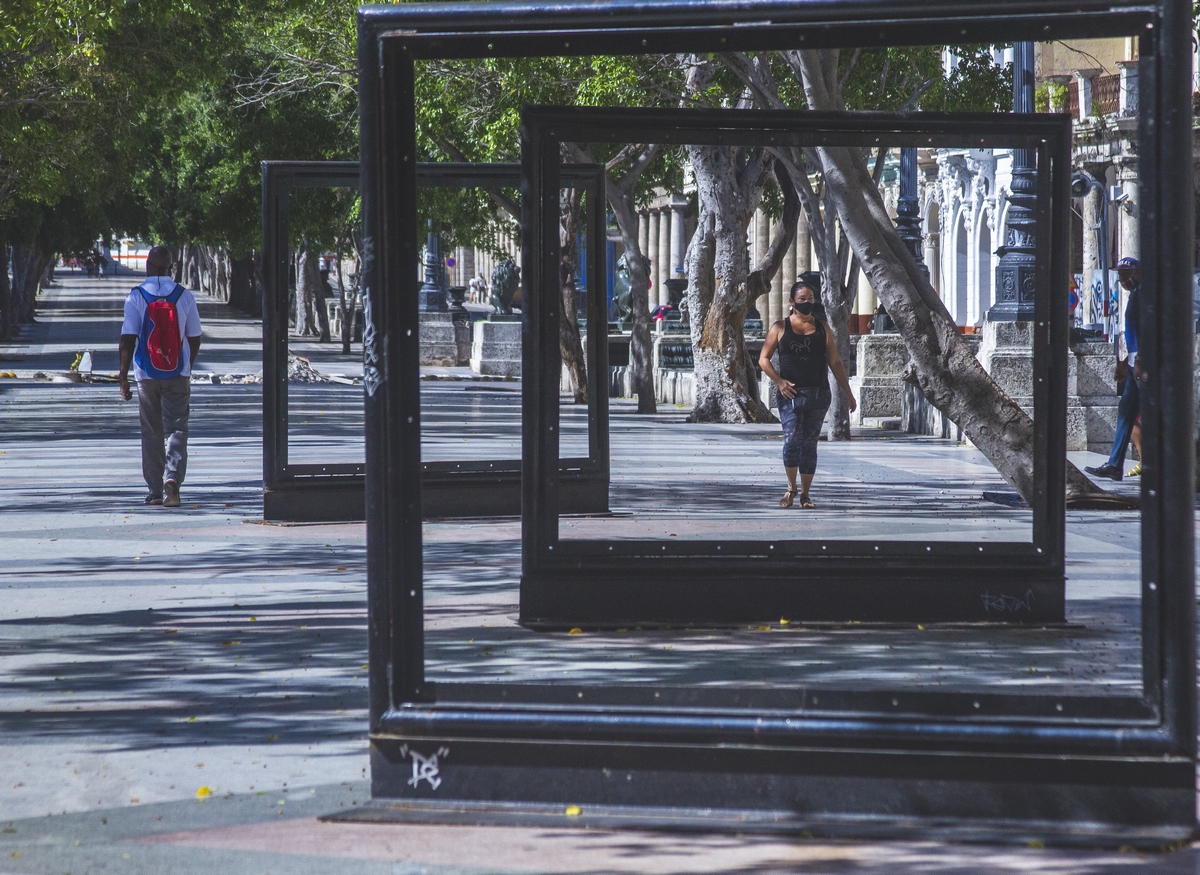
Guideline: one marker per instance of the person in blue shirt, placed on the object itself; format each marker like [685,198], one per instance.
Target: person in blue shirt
[1129,275]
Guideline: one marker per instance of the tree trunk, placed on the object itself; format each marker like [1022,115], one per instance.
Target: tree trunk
[943,366]
[308,278]
[346,311]
[569,344]
[243,286]
[641,347]
[222,276]
[6,295]
[29,264]
[721,285]
[620,195]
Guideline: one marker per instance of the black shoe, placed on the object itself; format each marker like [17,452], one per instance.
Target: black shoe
[153,499]
[1112,472]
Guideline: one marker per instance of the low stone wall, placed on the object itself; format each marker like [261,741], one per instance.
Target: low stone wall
[880,360]
[445,341]
[496,347]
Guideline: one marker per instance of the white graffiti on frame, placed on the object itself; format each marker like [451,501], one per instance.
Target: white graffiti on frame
[425,768]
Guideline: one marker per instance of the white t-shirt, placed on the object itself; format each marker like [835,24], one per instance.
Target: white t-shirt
[189,317]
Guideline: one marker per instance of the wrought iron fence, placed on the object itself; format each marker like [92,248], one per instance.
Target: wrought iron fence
[1106,94]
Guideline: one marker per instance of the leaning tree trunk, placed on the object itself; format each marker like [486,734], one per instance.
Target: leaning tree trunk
[945,369]
[721,285]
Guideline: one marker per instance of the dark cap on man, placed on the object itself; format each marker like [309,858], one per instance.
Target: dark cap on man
[1128,263]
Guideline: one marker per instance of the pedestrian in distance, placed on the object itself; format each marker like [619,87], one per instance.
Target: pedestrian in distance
[1131,371]
[160,337]
[806,356]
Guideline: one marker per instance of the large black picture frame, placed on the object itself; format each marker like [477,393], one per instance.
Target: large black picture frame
[879,762]
[627,582]
[336,492]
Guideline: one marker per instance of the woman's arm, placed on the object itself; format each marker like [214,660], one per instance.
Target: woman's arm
[839,372]
[786,388]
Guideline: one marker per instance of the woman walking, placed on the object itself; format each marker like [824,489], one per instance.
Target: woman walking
[806,356]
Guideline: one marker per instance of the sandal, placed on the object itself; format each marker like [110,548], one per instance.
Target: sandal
[807,503]
[788,497]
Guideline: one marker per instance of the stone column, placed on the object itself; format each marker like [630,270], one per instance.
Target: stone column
[678,236]
[933,260]
[1084,78]
[803,247]
[651,252]
[1129,88]
[777,284]
[643,232]
[788,271]
[1127,213]
[664,255]
[762,242]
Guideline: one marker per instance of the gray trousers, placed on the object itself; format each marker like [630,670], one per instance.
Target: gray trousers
[164,407]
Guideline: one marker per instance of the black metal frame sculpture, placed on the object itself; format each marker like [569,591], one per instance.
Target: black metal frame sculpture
[630,581]
[330,492]
[886,761]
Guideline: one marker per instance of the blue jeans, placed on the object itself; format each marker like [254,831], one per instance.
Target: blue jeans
[1127,414]
[801,431]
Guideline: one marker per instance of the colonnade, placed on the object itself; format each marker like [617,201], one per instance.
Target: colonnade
[470,261]
[665,230]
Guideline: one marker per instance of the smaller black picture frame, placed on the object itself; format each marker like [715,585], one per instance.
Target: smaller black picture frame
[617,583]
[297,492]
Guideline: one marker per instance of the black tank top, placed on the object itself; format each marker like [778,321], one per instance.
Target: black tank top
[802,356]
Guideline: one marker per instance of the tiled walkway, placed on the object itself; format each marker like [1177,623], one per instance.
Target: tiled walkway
[185,691]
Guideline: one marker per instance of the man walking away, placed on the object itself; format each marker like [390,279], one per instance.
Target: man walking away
[161,337]
[1129,275]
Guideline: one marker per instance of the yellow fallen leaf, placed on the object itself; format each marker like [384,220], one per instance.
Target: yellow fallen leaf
[254,619]
[573,811]
[230,643]
[137,558]
[341,568]
[575,630]
[16,855]
[783,621]
[192,719]
[204,792]
[763,628]
[920,627]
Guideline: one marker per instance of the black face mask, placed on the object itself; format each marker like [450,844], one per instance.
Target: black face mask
[805,308]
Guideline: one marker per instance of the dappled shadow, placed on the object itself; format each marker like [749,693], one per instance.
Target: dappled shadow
[472,595]
[267,670]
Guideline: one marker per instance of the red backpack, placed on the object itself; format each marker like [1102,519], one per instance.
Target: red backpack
[160,343]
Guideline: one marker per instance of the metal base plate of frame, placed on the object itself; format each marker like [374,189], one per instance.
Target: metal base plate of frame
[797,791]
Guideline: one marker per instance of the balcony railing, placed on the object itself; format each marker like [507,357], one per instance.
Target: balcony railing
[1106,95]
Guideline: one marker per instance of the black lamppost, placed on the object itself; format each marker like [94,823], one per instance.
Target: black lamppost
[1015,276]
[908,209]
[432,297]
